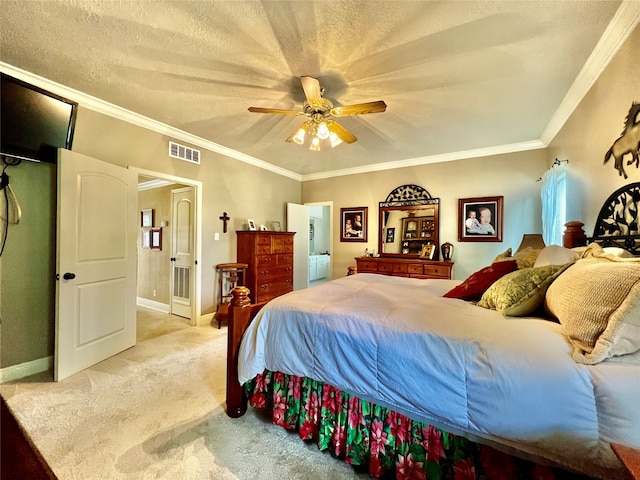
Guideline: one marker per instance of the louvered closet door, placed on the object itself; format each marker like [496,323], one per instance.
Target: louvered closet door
[182,251]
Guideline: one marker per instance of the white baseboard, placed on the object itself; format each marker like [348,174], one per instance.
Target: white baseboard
[153,305]
[205,319]
[16,372]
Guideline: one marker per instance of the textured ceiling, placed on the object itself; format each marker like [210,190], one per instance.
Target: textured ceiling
[456,75]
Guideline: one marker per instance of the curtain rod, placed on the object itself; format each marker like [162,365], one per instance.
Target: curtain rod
[555,163]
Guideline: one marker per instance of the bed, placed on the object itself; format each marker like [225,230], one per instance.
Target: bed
[404,378]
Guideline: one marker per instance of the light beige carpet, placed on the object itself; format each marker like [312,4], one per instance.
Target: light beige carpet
[156,411]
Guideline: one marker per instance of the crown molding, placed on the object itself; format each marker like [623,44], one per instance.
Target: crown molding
[445,157]
[622,24]
[105,108]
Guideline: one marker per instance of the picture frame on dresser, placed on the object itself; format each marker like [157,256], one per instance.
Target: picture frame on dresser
[480,219]
[354,224]
[427,251]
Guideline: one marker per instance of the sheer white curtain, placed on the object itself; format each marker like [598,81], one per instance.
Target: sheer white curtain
[553,194]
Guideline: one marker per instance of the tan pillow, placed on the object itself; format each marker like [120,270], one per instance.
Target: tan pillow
[525,258]
[501,257]
[520,293]
[595,250]
[597,301]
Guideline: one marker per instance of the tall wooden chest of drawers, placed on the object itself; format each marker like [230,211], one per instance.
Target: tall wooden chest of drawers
[270,259]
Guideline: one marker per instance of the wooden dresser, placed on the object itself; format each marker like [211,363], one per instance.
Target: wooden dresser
[405,267]
[270,259]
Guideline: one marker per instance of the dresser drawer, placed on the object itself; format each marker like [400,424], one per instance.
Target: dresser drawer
[263,249]
[273,271]
[390,268]
[415,269]
[437,271]
[263,239]
[285,259]
[367,266]
[274,285]
[262,260]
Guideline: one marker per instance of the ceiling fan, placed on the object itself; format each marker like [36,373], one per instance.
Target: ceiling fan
[319,110]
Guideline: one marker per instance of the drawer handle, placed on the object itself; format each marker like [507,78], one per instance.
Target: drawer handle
[264,286]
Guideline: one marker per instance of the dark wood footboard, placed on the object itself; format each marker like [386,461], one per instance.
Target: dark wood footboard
[241,312]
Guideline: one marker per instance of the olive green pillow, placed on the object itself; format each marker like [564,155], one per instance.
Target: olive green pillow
[521,293]
[525,258]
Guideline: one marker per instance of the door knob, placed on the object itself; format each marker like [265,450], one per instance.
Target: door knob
[69,276]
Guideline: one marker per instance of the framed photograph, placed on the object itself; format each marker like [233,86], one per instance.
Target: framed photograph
[391,235]
[480,219]
[353,224]
[427,251]
[156,238]
[251,224]
[146,218]
[145,239]
[409,228]
[275,226]
[263,228]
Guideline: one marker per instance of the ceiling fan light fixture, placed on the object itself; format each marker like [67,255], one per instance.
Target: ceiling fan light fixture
[323,131]
[300,134]
[335,140]
[318,110]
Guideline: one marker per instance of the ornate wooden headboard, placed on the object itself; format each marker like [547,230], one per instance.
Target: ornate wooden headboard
[618,223]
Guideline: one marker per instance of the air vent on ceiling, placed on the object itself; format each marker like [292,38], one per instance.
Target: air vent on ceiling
[184,153]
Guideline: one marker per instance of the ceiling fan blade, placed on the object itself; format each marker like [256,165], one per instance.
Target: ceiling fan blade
[343,134]
[359,109]
[312,91]
[274,110]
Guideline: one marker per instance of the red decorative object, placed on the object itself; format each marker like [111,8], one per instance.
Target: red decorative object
[474,286]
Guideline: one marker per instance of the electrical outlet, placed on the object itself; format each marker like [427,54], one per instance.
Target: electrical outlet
[155,293]
[216,236]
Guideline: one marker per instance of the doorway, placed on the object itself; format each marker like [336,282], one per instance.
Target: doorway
[177,243]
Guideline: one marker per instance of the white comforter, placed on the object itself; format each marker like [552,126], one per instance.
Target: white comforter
[397,342]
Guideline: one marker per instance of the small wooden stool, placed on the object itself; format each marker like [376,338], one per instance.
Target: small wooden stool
[230,275]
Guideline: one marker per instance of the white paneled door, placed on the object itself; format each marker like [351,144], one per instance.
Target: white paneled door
[182,254]
[98,222]
[298,221]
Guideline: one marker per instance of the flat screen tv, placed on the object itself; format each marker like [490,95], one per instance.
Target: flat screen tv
[34,123]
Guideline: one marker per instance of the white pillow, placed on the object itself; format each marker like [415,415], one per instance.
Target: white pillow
[618,252]
[615,251]
[555,255]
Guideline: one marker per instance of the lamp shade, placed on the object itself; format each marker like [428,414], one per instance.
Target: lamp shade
[533,240]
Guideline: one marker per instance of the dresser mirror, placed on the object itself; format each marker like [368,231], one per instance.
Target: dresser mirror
[408,220]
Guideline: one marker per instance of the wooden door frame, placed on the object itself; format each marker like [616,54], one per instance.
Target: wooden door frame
[197,234]
[330,205]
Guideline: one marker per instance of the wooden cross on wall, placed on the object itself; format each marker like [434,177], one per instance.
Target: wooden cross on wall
[225,218]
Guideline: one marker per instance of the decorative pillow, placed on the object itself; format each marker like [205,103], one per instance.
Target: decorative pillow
[618,252]
[501,257]
[525,257]
[474,286]
[555,255]
[615,251]
[597,301]
[521,293]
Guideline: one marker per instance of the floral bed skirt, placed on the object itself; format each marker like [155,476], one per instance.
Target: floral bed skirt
[380,440]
